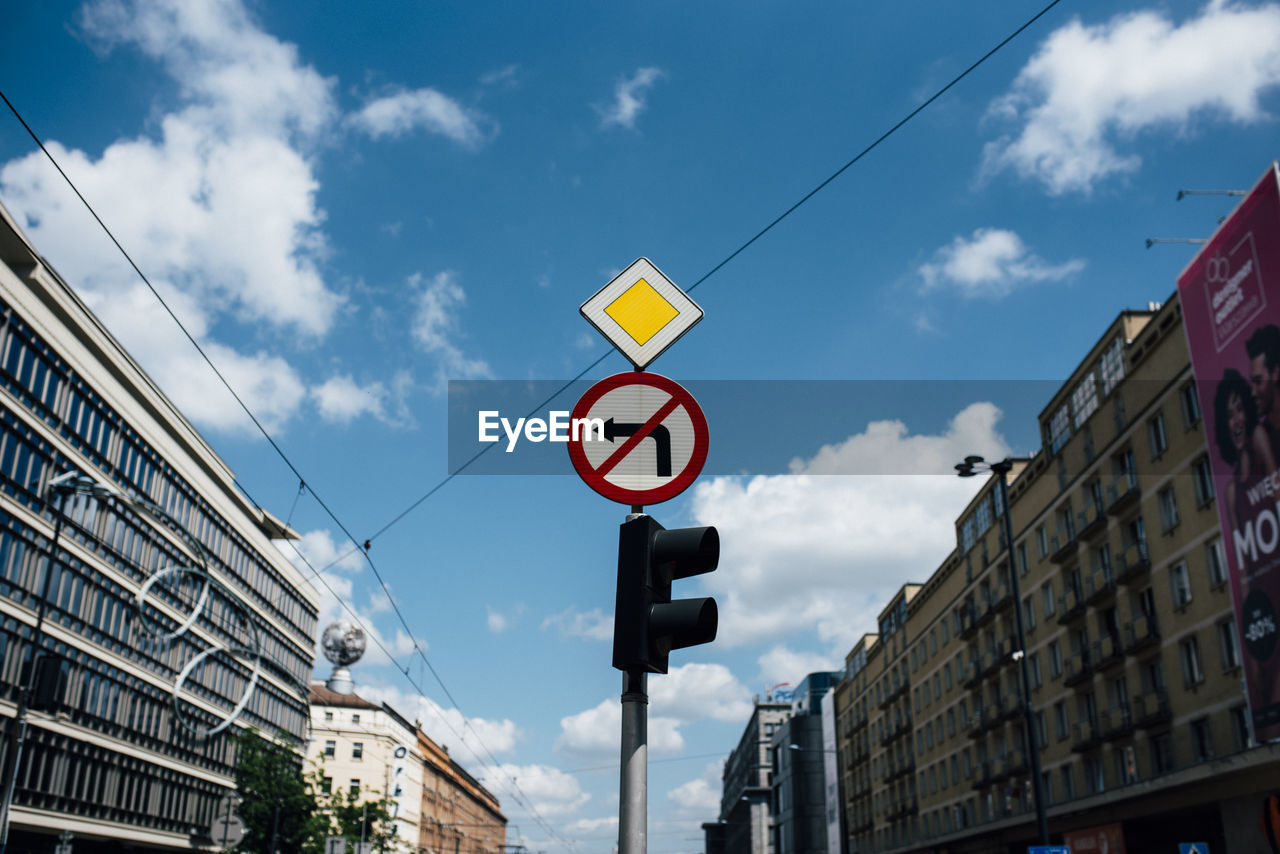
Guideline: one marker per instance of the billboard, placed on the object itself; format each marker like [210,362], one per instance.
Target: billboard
[1107,839]
[1230,296]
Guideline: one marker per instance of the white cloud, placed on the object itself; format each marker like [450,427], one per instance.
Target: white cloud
[805,552]
[399,113]
[701,795]
[435,323]
[695,691]
[477,738]
[497,622]
[629,98]
[594,624]
[1089,90]
[597,732]
[991,264]
[589,825]
[783,664]
[550,791]
[340,399]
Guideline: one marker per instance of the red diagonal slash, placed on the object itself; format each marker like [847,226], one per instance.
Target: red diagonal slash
[637,437]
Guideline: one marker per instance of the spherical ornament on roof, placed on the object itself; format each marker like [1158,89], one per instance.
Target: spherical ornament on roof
[343,643]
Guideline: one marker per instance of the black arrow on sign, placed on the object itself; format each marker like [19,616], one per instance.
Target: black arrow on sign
[660,435]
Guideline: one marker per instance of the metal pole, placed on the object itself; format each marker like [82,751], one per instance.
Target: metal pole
[18,734]
[633,797]
[1029,718]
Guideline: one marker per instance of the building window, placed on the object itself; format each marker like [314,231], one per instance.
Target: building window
[1111,366]
[1047,599]
[1061,723]
[326,784]
[1201,740]
[354,788]
[1240,737]
[1157,438]
[1190,405]
[1202,480]
[330,749]
[1084,399]
[1192,670]
[357,750]
[1228,645]
[1023,565]
[1180,582]
[1168,509]
[966,535]
[1059,429]
[1093,774]
[946,675]
[1042,541]
[1042,730]
[1126,765]
[1068,783]
[1216,563]
[1055,659]
[951,722]
[1036,679]
[1162,753]
[328,716]
[355,717]
[1029,612]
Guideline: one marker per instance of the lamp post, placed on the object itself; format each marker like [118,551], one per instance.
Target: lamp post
[971,466]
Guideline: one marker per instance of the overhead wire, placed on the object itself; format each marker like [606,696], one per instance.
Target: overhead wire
[401,515]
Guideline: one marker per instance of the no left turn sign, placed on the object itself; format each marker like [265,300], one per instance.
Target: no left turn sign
[649,441]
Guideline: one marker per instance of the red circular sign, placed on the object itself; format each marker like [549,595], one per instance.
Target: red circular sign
[638,438]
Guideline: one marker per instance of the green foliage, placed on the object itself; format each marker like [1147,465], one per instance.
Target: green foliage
[276,800]
[348,813]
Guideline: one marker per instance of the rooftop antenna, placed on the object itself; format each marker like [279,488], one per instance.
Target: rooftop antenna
[1182,194]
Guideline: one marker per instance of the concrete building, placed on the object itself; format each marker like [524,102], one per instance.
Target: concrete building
[371,751]
[745,824]
[117,752]
[459,816]
[1140,718]
[798,782]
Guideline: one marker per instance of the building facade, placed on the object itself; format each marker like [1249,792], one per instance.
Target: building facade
[798,781]
[370,751]
[745,823]
[160,561]
[459,816]
[1131,646]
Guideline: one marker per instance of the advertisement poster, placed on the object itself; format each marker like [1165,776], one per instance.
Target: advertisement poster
[1230,296]
[1107,839]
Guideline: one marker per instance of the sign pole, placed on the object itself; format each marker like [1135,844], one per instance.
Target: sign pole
[633,794]
[633,802]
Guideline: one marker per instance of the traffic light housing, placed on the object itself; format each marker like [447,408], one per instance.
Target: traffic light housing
[647,623]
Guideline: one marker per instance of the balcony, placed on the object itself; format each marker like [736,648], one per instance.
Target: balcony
[983,613]
[1099,586]
[1085,737]
[1107,653]
[896,768]
[863,825]
[1133,564]
[1005,648]
[1116,723]
[894,693]
[1071,607]
[1151,709]
[968,625]
[860,720]
[1077,669]
[1062,546]
[1140,634]
[1001,599]
[1091,520]
[978,724]
[983,775]
[971,676]
[1122,492]
[896,730]
[990,663]
[1008,708]
[901,808]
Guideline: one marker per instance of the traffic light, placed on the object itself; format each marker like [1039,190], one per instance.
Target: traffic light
[647,624]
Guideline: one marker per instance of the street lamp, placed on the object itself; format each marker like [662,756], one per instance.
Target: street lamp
[971,466]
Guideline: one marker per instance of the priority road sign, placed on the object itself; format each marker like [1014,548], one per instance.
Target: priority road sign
[649,440]
[641,312]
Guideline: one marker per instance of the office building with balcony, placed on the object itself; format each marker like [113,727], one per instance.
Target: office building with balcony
[1131,647]
[116,751]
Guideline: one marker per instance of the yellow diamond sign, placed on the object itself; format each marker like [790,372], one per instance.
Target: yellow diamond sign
[641,312]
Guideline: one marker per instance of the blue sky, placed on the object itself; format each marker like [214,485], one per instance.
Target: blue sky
[351,204]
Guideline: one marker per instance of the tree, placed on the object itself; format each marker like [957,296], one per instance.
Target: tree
[277,802]
[347,815]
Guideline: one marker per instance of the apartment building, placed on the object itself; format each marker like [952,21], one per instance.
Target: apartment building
[798,780]
[370,750]
[130,735]
[745,825]
[1132,651]
[458,816]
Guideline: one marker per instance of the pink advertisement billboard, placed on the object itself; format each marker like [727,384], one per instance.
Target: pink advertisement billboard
[1230,296]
